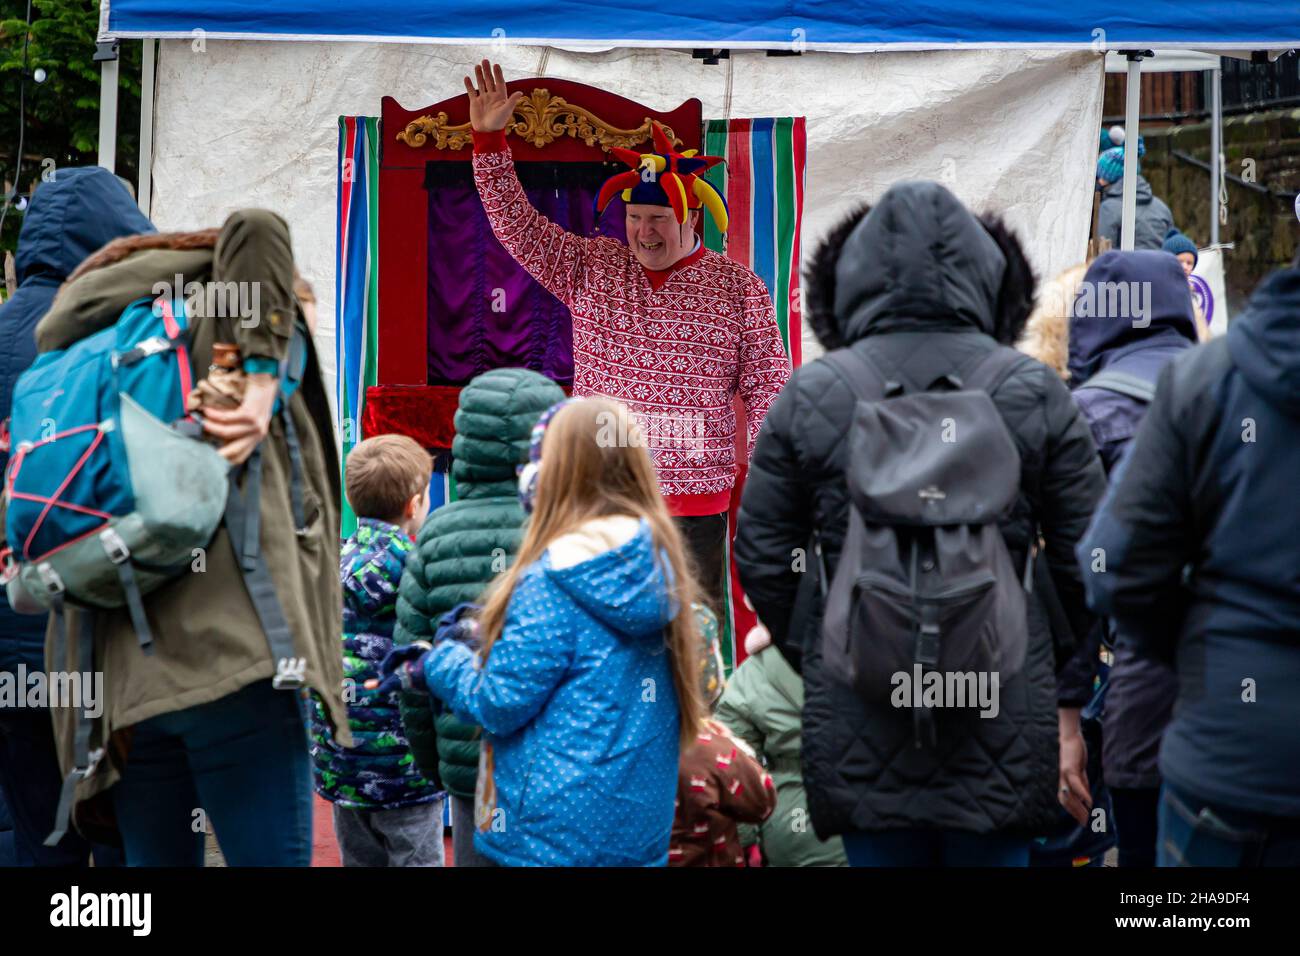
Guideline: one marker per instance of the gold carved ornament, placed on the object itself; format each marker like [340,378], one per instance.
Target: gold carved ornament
[539,119]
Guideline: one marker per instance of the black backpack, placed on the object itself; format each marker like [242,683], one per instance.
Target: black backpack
[924,581]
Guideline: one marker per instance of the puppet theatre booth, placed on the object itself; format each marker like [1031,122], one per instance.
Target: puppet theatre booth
[1003,105]
[428,299]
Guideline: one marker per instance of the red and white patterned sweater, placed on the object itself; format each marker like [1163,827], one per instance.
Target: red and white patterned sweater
[674,355]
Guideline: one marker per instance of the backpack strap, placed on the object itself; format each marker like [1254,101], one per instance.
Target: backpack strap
[861,374]
[290,377]
[120,555]
[868,384]
[989,374]
[1113,380]
[992,369]
[84,761]
[243,524]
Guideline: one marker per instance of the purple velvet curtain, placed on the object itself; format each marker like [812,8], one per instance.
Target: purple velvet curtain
[485,311]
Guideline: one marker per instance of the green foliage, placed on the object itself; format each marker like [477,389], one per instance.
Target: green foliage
[63,112]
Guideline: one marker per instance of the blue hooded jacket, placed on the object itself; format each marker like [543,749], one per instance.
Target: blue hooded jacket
[71,216]
[1151,326]
[579,711]
[1156,327]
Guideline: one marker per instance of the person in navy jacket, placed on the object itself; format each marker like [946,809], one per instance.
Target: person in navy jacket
[71,215]
[1195,555]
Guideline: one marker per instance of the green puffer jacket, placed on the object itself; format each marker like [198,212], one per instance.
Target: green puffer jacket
[763,705]
[464,545]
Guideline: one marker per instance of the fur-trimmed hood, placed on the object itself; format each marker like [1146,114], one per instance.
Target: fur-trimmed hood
[120,248]
[883,284]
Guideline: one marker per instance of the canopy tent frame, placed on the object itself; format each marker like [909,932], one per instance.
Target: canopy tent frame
[108,132]
[1172,61]
[850,26]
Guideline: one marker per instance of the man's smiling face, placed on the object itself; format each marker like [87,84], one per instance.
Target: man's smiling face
[656,238]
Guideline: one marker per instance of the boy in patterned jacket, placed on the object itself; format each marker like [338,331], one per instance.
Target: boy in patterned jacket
[385,812]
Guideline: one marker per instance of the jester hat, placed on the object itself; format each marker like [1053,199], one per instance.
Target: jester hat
[665,178]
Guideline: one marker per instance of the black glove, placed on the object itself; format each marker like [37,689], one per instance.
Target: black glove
[403,669]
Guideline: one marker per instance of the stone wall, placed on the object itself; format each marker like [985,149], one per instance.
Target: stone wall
[1261,222]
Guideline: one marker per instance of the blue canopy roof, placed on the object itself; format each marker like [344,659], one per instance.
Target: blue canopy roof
[848,25]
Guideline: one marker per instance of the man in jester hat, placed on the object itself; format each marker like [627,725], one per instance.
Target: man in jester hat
[670,329]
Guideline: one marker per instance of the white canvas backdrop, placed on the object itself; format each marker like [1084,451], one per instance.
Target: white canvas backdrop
[255,124]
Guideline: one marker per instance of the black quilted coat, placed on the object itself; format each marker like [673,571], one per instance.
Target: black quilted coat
[921,285]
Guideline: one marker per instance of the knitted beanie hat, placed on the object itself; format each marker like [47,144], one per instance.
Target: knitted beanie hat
[1115,137]
[528,472]
[1110,165]
[1175,242]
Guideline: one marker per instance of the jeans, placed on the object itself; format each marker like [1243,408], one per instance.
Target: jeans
[406,836]
[1136,811]
[934,848]
[29,776]
[462,835]
[239,764]
[1193,833]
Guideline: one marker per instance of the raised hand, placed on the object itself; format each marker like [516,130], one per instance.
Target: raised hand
[490,106]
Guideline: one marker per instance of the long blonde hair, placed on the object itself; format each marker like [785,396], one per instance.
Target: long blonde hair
[1047,333]
[595,464]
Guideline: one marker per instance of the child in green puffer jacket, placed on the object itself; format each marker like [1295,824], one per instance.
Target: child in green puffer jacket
[763,706]
[462,546]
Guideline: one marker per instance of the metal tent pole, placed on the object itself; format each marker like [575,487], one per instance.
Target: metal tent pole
[106,56]
[1132,103]
[1216,150]
[144,188]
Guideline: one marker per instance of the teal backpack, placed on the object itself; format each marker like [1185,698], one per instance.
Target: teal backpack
[111,491]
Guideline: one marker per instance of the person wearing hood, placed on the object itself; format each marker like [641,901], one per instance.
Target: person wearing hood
[1152,218]
[460,548]
[72,215]
[1131,316]
[586,677]
[923,288]
[1194,555]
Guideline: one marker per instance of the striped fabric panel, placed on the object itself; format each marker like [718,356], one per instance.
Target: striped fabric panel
[356,344]
[763,182]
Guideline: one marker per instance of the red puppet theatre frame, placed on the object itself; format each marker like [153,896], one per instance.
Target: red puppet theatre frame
[557,121]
